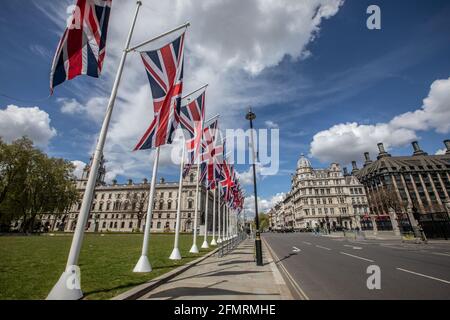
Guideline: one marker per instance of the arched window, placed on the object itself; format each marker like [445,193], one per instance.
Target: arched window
[191,178]
[169,205]
[161,204]
[190,204]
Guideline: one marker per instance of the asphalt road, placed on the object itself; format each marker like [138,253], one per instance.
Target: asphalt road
[336,268]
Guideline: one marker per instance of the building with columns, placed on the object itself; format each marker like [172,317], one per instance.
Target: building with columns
[406,191]
[123,207]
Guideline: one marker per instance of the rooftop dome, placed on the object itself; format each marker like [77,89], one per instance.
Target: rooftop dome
[303,162]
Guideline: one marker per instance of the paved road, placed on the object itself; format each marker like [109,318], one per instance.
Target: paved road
[336,268]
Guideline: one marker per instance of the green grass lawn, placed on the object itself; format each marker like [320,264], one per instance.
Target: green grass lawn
[31,265]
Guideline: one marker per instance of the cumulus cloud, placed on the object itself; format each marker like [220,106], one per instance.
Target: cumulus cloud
[271,125]
[440,152]
[348,141]
[79,166]
[264,205]
[228,45]
[94,108]
[33,122]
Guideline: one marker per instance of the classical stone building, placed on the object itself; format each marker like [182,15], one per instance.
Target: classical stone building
[123,207]
[326,198]
[405,190]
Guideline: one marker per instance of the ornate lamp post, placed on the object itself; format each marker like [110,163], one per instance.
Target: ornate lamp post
[251,116]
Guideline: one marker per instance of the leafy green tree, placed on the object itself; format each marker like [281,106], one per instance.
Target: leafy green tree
[32,184]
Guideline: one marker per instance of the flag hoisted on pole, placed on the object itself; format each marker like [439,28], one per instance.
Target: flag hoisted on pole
[164,68]
[62,290]
[82,47]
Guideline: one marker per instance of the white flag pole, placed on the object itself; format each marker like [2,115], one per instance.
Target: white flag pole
[194,248]
[143,264]
[176,252]
[219,239]
[205,237]
[68,285]
[213,241]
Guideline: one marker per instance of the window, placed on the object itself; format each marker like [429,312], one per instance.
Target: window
[161,204]
[130,224]
[190,204]
[122,225]
[169,205]
[107,206]
[104,224]
[100,207]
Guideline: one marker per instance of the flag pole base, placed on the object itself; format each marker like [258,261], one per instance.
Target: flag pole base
[205,245]
[194,249]
[68,285]
[175,254]
[143,265]
[213,242]
[219,240]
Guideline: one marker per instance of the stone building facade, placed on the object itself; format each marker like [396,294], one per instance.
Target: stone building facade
[123,207]
[326,198]
[406,190]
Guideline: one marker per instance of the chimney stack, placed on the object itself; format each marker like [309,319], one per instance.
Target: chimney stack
[144,181]
[367,157]
[345,171]
[354,167]
[447,145]
[383,152]
[417,150]
[130,182]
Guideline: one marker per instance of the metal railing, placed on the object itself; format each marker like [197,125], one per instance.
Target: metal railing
[226,246]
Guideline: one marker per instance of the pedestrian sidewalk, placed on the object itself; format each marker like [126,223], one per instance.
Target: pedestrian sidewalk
[233,276]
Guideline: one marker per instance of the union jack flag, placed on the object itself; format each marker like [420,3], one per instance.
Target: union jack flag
[227,182]
[211,157]
[81,49]
[191,121]
[164,68]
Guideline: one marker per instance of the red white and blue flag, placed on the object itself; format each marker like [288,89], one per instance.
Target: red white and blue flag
[164,68]
[191,121]
[211,157]
[81,49]
[227,182]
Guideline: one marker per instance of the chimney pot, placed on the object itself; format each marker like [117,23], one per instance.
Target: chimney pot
[415,145]
[381,148]
[447,145]
[354,166]
[367,156]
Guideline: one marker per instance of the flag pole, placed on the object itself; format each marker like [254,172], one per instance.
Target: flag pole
[219,239]
[194,248]
[143,264]
[185,25]
[176,252]
[205,237]
[213,241]
[68,285]
[197,90]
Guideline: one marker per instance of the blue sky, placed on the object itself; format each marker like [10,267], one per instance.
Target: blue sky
[322,74]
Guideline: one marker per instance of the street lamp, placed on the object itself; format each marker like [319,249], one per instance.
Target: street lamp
[251,116]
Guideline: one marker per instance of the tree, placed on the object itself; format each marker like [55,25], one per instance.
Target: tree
[32,184]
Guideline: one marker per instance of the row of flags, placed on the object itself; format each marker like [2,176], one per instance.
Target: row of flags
[81,51]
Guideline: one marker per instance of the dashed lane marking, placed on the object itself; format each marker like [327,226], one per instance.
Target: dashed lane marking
[308,243]
[353,247]
[325,248]
[423,275]
[361,258]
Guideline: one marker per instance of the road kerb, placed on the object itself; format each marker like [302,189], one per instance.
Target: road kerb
[293,285]
[145,288]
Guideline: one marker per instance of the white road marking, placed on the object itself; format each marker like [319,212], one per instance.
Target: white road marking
[295,249]
[322,247]
[441,254]
[351,255]
[353,247]
[424,275]
[308,243]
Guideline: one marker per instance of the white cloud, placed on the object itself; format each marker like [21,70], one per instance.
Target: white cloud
[346,142]
[79,166]
[33,122]
[440,152]
[94,108]
[434,113]
[228,44]
[264,205]
[271,125]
